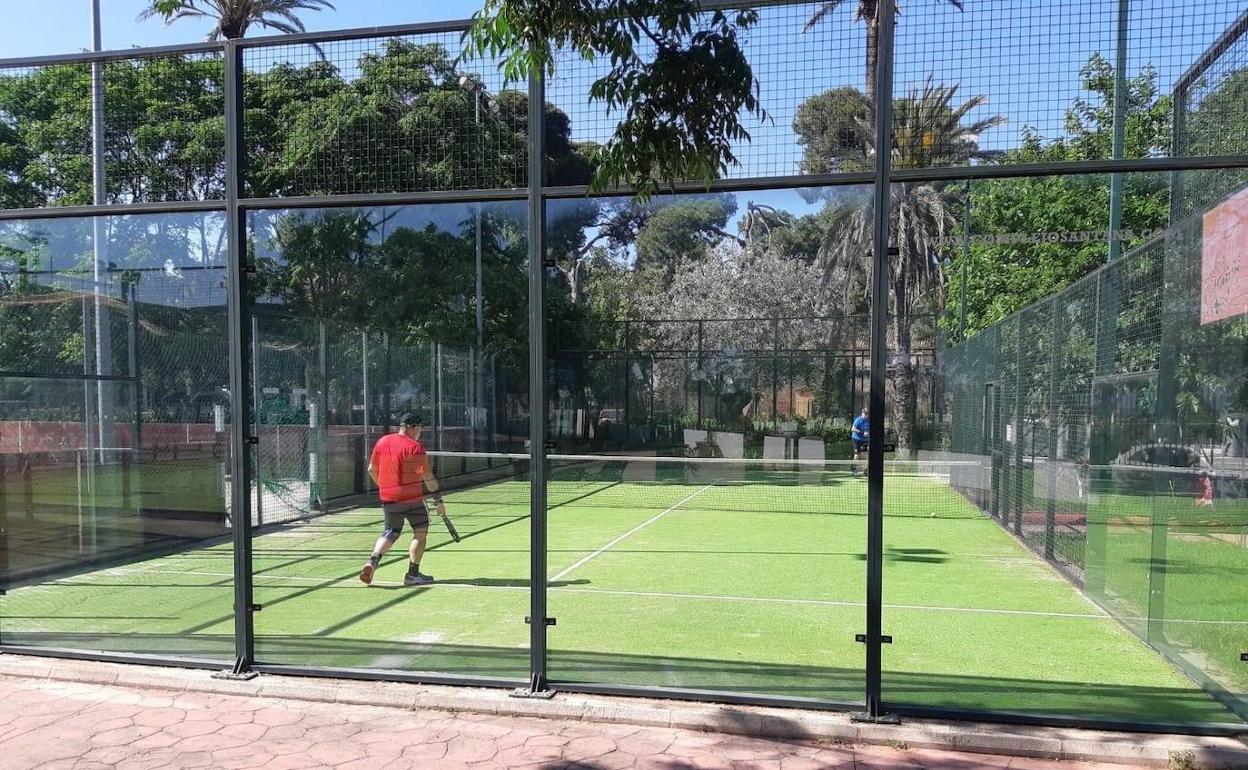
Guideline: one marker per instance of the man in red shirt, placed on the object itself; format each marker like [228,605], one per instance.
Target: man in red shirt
[400,468]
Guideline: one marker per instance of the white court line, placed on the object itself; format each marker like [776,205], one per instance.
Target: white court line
[1100,615]
[673,595]
[589,557]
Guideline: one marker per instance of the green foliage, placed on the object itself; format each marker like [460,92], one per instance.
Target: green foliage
[164,139]
[1002,279]
[404,123]
[683,230]
[829,127]
[678,80]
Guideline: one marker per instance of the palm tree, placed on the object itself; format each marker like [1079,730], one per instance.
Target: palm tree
[928,131]
[235,17]
[868,12]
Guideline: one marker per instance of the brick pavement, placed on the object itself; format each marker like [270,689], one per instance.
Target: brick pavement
[51,725]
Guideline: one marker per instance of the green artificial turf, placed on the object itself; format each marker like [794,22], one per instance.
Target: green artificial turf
[717,582]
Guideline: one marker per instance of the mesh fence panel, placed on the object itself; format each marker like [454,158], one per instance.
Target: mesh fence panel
[380,114]
[1045,74]
[1208,98]
[163,137]
[792,63]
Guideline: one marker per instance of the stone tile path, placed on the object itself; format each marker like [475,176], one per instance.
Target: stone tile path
[49,725]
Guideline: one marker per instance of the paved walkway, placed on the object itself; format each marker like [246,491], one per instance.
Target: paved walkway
[49,725]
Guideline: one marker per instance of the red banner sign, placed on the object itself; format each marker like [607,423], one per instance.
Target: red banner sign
[1224,261]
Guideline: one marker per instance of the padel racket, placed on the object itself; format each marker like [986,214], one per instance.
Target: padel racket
[450,527]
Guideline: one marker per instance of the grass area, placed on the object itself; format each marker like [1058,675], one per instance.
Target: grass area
[715,580]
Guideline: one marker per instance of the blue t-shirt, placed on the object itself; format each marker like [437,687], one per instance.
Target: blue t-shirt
[862,427]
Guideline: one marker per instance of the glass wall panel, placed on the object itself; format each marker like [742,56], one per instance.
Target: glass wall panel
[114,418]
[707,522]
[1065,518]
[361,316]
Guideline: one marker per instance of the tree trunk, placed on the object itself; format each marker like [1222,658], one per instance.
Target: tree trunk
[873,53]
[904,393]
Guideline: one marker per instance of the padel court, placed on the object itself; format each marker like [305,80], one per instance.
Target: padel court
[720,575]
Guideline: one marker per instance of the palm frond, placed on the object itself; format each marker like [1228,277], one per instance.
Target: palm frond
[822,12]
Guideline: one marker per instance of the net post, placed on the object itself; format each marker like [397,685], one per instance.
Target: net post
[883,109]
[239,331]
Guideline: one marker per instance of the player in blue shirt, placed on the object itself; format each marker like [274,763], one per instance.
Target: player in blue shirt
[860,436]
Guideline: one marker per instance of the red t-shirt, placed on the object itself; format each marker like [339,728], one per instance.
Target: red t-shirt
[400,463]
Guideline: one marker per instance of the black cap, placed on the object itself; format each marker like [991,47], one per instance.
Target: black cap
[411,420]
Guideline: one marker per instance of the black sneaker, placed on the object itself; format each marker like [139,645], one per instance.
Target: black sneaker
[419,579]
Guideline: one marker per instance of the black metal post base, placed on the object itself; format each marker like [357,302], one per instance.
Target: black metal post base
[241,672]
[538,688]
[881,719]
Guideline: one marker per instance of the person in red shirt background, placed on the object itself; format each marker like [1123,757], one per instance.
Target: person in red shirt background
[400,468]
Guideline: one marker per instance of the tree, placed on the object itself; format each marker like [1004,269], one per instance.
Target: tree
[233,18]
[928,130]
[409,121]
[1003,278]
[163,142]
[828,128]
[677,75]
[868,12]
[637,235]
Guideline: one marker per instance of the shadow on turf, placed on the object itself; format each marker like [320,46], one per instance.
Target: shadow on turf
[915,555]
[491,583]
[844,685]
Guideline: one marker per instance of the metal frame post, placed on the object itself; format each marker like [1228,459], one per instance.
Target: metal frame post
[1050,508]
[883,109]
[700,375]
[241,440]
[318,467]
[628,376]
[257,415]
[366,482]
[539,685]
[1119,128]
[99,243]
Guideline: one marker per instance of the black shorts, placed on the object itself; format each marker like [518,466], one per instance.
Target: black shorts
[411,511]
[859,446]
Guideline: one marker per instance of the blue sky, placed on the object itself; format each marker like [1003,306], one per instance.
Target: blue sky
[1023,55]
[63,26]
